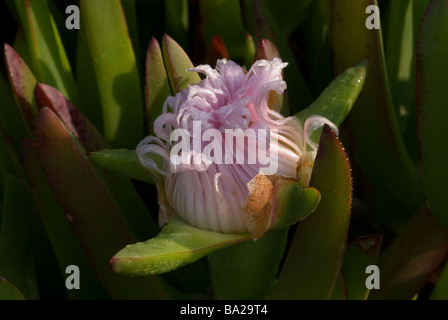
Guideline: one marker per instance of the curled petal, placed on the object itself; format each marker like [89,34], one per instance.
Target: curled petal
[313,123]
[152,145]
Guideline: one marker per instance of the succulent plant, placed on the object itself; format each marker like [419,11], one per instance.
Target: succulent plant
[92,99]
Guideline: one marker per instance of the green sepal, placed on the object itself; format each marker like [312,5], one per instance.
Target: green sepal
[293,203]
[122,161]
[176,245]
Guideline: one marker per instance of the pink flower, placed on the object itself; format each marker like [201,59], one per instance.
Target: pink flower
[211,189]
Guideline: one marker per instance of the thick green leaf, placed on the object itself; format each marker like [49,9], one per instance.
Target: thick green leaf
[288,14]
[121,188]
[10,117]
[319,60]
[8,291]
[65,245]
[193,278]
[86,80]
[176,63]
[48,58]
[314,260]
[116,71]
[403,20]
[412,257]
[122,161]
[157,86]
[129,201]
[326,10]
[176,245]
[338,98]
[432,107]
[10,158]
[20,46]
[248,270]
[176,20]
[6,163]
[360,253]
[68,36]
[16,239]
[373,125]
[340,289]
[440,292]
[223,18]
[130,12]
[92,213]
[22,82]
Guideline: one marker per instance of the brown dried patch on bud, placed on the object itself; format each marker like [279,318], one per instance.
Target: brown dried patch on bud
[257,211]
[305,168]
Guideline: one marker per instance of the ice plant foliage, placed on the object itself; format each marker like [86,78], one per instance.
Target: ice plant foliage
[221,155]
[218,137]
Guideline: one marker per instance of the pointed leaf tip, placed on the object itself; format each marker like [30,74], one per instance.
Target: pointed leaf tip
[23,82]
[157,85]
[266,50]
[217,50]
[77,123]
[336,101]
[94,216]
[177,62]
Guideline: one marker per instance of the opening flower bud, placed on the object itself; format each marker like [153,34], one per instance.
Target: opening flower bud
[217,139]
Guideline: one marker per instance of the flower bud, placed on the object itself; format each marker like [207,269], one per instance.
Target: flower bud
[217,139]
